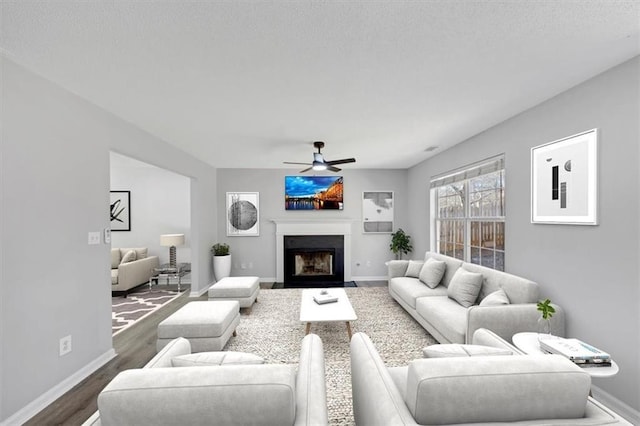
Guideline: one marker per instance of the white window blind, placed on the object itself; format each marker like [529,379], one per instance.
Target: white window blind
[480,168]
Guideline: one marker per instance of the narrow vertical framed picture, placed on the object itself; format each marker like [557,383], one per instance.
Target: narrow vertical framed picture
[377,212]
[564,180]
[120,210]
[243,214]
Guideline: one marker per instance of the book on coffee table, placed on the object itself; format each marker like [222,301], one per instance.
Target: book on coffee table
[321,299]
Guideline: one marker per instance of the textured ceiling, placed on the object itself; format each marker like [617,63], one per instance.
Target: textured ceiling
[252,84]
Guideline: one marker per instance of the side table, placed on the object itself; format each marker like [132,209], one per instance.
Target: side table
[528,343]
[167,271]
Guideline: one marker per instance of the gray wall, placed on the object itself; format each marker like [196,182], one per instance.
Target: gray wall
[259,252]
[592,271]
[160,204]
[55,189]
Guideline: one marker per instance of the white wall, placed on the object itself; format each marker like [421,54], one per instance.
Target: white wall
[55,189]
[160,204]
[260,251]
[591,271]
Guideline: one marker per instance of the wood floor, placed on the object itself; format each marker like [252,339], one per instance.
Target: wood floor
[135,346]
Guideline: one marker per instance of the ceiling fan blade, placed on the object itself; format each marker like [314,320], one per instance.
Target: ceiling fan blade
[289,162]
[306,170]
[343,161]
[333,169]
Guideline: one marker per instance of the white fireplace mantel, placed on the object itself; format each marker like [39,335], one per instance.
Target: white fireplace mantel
[285,227]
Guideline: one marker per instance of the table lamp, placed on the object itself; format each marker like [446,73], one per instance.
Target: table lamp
[171,241]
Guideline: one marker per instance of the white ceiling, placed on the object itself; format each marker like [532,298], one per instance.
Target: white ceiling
[252,84]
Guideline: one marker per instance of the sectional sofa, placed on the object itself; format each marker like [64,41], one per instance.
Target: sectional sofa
[504,388]
[131,267]
[451,298]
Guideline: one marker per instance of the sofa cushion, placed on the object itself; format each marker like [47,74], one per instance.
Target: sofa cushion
[465,287]
[445,315]
[432,272]
[498,297]
[409,289]
[129,256]
[458,350]
[115,258]
[518,289]
[452,265]
[141,252]
[413,269]
[216,358]
[495,389]
[234,394]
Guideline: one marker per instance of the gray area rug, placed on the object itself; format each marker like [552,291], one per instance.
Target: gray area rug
[273,331]
[138,304]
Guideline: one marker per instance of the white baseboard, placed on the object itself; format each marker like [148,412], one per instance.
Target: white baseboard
[369,278]
[629,413]
[47,398]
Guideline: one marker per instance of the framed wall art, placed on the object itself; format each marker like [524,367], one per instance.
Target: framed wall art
[377,212]
[564,180]
[243,214]
[120,208]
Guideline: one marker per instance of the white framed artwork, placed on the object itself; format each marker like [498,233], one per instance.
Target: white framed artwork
[564,180]
[377,212]
[243,214]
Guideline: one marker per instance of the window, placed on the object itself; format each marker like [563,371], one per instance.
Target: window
[468,213]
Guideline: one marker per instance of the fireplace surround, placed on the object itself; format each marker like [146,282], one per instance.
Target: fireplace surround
[309,227]
[313,259]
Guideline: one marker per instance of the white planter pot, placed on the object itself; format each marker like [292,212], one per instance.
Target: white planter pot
[221,266]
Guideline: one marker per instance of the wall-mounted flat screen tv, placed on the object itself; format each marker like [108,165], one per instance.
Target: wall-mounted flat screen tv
[313,193]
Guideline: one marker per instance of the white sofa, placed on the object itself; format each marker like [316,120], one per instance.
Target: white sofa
[130,270]
[449,321]
[217,388]
[505,389]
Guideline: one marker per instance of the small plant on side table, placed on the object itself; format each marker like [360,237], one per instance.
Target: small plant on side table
[400,243]
[547,311]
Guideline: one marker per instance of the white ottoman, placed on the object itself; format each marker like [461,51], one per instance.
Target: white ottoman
[207,325]
[242,289]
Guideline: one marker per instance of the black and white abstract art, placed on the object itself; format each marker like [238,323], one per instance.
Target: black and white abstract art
[120,210]
[243,216]
[377,212]
[564,176]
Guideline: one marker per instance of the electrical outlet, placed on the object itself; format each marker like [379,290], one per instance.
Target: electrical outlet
[65,345]
[94,238]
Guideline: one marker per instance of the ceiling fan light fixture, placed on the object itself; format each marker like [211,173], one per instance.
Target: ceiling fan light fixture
[317,165]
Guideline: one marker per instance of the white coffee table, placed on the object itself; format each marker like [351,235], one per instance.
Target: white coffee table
[339,311]
[528,343]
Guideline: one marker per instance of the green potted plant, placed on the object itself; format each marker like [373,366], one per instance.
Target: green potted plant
[546,311]
[221,260]
[400,243]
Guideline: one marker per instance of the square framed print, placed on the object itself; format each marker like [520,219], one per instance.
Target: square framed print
[120,208]
[564,180]
[243,214]
[377,212]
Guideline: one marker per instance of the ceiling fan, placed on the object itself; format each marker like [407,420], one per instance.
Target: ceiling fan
[319,162]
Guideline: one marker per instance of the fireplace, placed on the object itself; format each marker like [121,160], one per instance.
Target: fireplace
[313,260]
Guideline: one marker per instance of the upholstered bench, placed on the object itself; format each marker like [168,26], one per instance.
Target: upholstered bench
[207,325]
[243,289]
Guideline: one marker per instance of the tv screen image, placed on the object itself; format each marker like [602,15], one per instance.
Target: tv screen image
[313,192]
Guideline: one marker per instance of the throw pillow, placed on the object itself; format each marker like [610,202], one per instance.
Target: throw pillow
[129,256]
[414,268]
[432,272]
[465,287]
[215,358]
[498,297]
[458,350]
